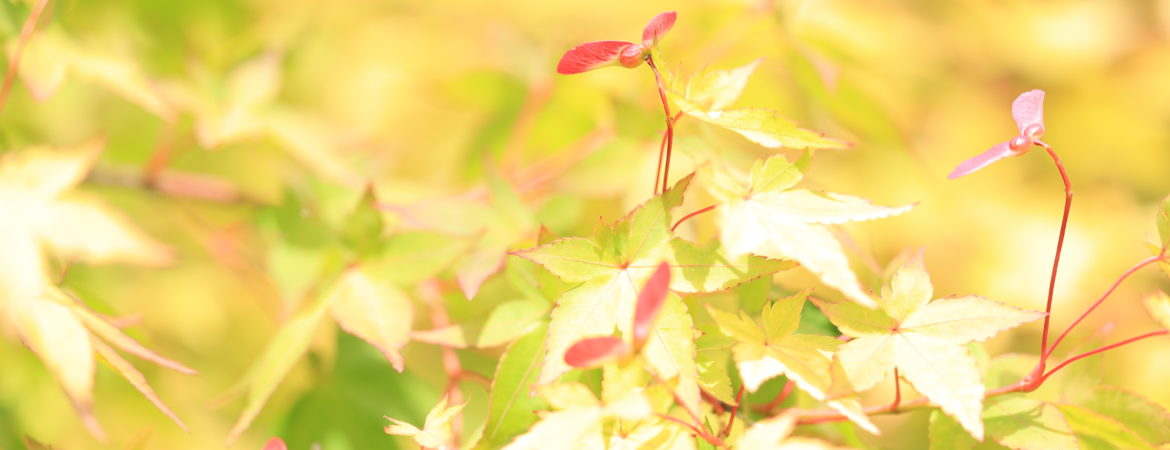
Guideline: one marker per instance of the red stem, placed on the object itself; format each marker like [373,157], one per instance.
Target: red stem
[1068,194]
[731,420]
[1135,268]
[30,25]
[658,170]
[698,431]
[669,123]
[1099,350]
[715,403]
[897,391]
[688,216]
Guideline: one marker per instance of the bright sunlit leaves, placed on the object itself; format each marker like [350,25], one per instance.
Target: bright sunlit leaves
[925,340]
[773,349]
[436,431]
[763,215]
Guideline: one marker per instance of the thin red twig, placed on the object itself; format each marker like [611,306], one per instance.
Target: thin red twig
[1099,350]
[734,409]
[784,393]
[669,123]
[698,431]
[897,391]
[26,31]
[1135,268]
[688,216]
[1068,194]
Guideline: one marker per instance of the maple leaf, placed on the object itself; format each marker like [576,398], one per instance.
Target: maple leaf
[436,431]
[767,217]
[707,94]
[51,55]
[775,433]
[924,340]
[579,416]
[610,267]
[767,351]
[1158,305]
[42,214]
[362,305]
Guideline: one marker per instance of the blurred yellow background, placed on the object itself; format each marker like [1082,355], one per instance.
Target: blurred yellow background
[424,98]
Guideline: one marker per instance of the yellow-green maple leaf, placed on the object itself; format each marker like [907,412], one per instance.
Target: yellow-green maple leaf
[41,213]
[610,269]
[766,217]
[925,340]
[771,350]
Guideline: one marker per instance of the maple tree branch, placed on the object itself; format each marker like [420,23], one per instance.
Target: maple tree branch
[1068,194]
[1102,349]
[731,420]
[693,214]
[171,183]
[698,423]
[26,31]
[669,125]
[1130,271]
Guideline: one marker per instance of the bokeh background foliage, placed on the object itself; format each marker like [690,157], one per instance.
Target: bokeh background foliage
[242,134]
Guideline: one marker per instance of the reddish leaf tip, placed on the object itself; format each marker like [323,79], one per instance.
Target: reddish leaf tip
[594,351]
[650,301]
[657,28]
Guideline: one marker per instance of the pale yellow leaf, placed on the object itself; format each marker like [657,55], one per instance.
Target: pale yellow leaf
[375,311]
[944,373]
[43,172]
[84,228]
[136,379]
[122,76]
[1158,304]
[867,360]
[909,290]
[437,431]
[568,428]
[581,313]
[767,433]
[22,272]
[104,330]
[825,207]
[717,89]
[63,344]
[961,320]
[670,350]
[45,61]
[568,395]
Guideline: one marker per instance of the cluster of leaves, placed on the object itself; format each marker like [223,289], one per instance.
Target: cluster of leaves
[633,336]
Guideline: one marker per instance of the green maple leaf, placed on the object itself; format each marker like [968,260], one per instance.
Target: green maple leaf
[614,264]
[765,216]
[924,339]
[1012,421]
[773,349]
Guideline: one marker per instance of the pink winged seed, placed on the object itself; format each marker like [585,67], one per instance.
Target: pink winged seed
[592,352]
[650,301]
[1028,109]
[657,28]
[591,55]
[996,153]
